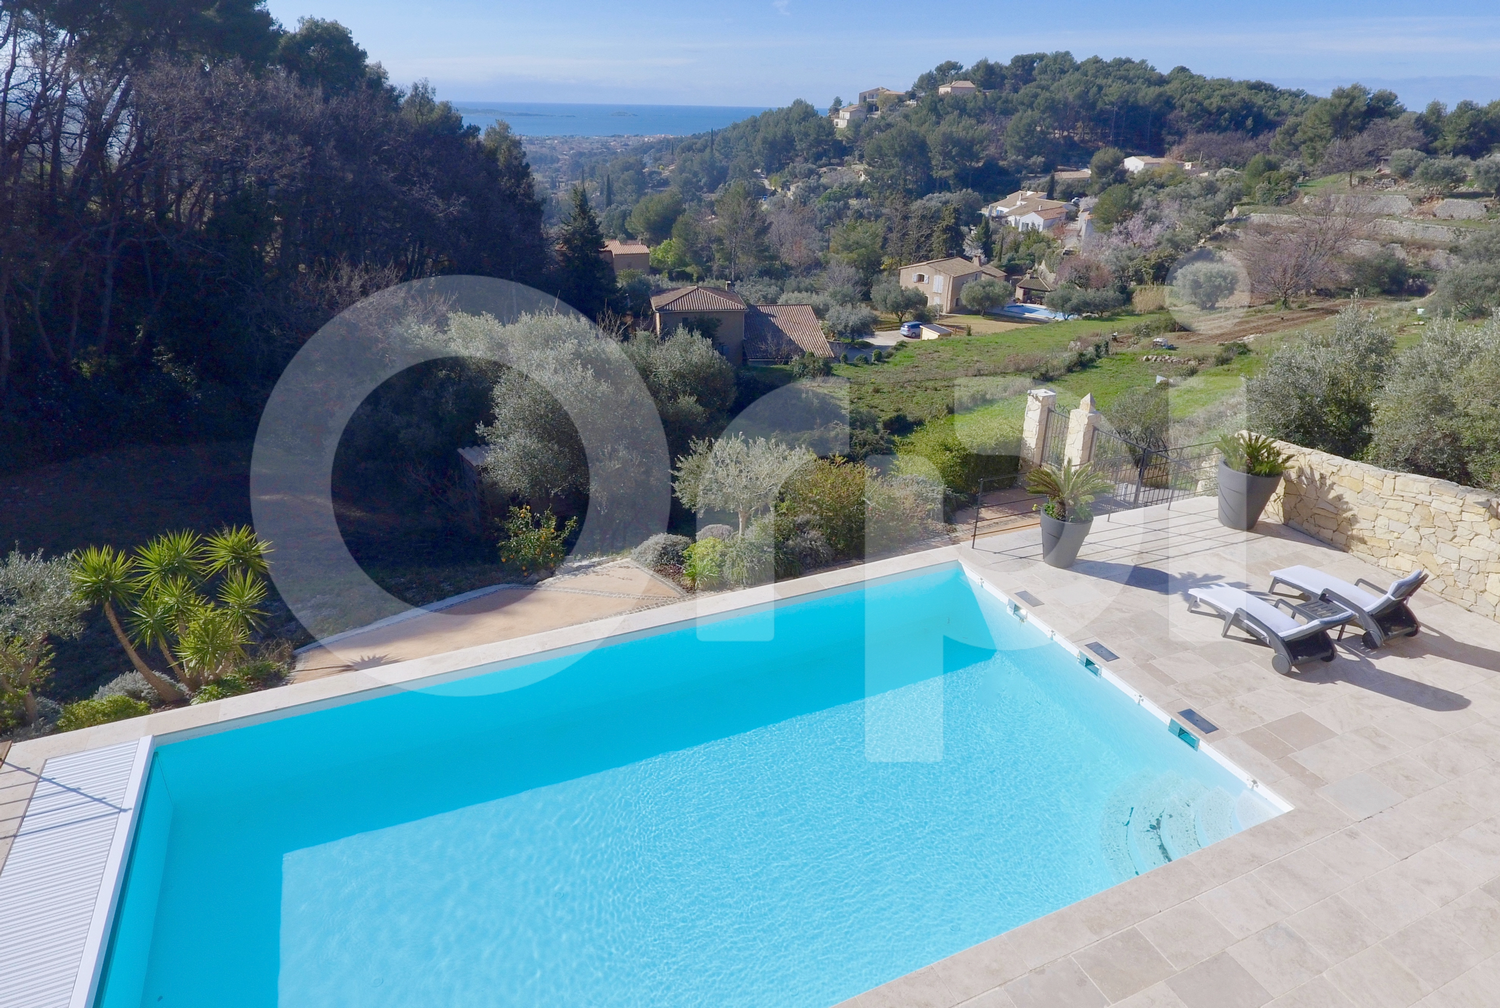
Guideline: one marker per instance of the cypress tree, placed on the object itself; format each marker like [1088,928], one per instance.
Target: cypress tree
[584,279]
[947,237]
[983,236]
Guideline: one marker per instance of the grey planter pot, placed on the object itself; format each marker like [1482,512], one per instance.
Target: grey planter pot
[1061,540]
[1242,497]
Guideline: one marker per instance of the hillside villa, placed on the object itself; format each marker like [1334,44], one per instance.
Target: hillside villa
[627,255]
[1138,163]
[1029,210]
[959,87]
[942,280]
[742,331]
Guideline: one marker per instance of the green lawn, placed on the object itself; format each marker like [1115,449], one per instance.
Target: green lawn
[919,380]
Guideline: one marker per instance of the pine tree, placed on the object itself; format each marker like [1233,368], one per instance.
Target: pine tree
[584,279]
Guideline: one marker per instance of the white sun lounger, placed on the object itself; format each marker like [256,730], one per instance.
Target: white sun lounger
[1380,616]
[1292,642]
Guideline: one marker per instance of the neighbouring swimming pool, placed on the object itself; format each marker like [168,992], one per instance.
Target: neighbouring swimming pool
[666,820]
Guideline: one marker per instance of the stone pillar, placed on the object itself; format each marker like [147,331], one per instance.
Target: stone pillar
[1081,425]
[1039,406]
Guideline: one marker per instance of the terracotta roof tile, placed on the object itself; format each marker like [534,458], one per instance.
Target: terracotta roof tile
[698,299]
[780,332]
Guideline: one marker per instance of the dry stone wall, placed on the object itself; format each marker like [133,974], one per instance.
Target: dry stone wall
[1399,521]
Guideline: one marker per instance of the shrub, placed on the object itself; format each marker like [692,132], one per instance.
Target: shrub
[1442,175]
[811,366]
[87,713]
[851,320]
[1139,415]
[130,684]
[749,559]
[1230,352]
[661,550]
[533,545]
[800,547]
[716,531]
[703,563]
[1383,273]
[223,687]
[1405,161]
[1471,289]
[903,510]
[829,497]
[1078,301]
[957,464]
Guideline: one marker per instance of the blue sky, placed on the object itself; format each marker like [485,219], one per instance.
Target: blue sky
[767,52]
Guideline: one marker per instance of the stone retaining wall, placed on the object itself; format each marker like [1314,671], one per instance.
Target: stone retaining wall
[1399,521]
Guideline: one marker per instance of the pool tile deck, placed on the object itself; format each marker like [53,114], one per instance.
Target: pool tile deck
[1381,888]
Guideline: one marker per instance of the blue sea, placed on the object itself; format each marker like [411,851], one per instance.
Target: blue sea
[560,119]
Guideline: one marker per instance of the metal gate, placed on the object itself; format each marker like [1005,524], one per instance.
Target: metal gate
[1055,438]
[1143,476]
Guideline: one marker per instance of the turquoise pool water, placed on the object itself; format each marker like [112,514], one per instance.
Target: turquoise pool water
[664,821]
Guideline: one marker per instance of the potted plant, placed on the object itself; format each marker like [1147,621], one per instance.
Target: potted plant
[1249,473]
[1066,518]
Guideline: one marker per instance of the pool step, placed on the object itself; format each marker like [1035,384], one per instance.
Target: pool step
[1153,819]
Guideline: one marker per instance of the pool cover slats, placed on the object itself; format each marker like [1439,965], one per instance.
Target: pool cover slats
[58,885]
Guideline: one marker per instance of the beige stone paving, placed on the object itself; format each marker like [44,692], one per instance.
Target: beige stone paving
[1381,889]
[513,611]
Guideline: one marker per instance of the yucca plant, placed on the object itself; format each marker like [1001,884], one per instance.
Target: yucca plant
[102,576]
[1069,490]
[193,599]
[1254,454]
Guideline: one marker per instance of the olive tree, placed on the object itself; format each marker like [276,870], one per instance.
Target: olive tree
[1205,284]
[851,320]
[893,299]
[985,293]
[737,474]
[1405,161]
[1319,392]
[1487,174]
[1438,412]
[1442,175]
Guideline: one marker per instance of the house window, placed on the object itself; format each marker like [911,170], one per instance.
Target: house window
[937,283]
[920,278]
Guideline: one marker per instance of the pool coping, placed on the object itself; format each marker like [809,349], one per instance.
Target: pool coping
[352,687]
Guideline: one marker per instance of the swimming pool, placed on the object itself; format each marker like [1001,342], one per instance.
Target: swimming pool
[902,771]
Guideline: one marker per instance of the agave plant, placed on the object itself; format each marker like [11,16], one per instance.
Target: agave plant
[1069,490]
[1254,454]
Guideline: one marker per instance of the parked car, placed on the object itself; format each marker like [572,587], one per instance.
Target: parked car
[911,330]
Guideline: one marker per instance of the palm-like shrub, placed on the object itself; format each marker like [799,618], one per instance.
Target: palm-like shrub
[193,599]
[1255,454]
[1069,490]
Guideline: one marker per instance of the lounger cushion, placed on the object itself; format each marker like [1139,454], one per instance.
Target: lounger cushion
[1316,582]
[1227,600]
